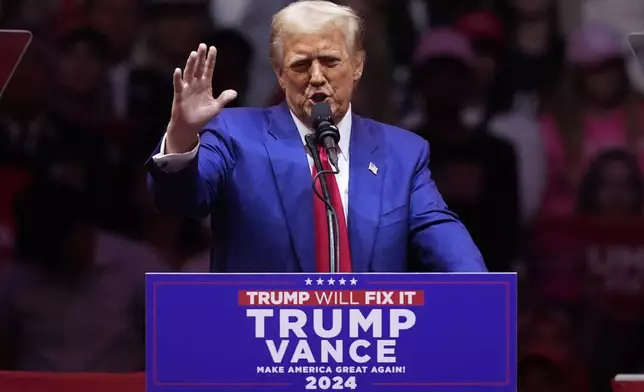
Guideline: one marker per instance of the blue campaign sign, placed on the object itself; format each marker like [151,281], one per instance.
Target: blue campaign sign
[354,332]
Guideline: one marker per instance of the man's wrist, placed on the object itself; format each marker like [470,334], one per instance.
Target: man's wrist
[176,144]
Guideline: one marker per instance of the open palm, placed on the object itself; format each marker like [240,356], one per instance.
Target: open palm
[193,105]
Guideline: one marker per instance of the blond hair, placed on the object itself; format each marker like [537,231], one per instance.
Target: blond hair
[314,16]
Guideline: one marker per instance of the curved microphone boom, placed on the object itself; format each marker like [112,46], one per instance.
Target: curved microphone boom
[326,133]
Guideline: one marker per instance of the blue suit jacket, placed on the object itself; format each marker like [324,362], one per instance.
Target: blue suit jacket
[252,175]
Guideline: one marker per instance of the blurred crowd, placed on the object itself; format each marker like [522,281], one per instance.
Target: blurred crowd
[537,143]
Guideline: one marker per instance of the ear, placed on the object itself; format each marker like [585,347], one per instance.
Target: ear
[358,61]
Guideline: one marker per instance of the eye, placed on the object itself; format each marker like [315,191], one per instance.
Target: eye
[330,61]
[300,65]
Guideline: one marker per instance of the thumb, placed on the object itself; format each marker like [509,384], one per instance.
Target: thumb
[226,97]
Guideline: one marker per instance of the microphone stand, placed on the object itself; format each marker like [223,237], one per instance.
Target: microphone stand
[332,218]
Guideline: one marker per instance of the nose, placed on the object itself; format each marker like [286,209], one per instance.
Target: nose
[317,74]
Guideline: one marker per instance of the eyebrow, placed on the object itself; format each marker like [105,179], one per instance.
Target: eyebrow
[302,57]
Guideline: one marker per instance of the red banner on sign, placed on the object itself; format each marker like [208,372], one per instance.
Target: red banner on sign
[345,297]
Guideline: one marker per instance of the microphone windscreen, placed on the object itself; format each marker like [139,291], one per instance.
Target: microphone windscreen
[322,109]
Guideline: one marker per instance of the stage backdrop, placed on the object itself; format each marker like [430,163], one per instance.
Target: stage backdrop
[362,332]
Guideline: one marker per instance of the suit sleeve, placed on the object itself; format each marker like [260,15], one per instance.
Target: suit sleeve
[194,190]
[171,163]
[438,238]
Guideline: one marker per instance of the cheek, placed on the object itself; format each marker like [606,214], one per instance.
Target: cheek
[295,86]
[342,80]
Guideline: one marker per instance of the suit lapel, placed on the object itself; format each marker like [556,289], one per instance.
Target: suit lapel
[366,175]
[293,178]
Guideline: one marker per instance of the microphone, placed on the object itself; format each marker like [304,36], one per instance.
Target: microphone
[326,133]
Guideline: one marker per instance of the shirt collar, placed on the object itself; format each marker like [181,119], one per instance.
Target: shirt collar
[344,127]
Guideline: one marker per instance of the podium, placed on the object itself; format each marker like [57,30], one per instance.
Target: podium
[355,332]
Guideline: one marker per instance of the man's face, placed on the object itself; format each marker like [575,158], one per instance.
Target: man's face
[318,67]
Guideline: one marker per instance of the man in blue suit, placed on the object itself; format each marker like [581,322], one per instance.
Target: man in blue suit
[249,168]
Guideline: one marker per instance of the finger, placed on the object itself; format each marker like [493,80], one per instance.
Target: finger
[226,97]
[210,63]
[177,82]
[189,71]
[201,60]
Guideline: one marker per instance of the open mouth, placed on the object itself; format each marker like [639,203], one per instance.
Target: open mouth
[318,97]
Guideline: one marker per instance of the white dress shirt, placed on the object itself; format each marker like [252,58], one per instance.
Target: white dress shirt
[171,163]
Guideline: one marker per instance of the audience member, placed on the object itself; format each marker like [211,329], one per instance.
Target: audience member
[252,19]
[533,60]
[14,181]
[613,187]
[120,21]
[474,171]
[24,109]
[539,374]
[175,28]
[487,39]
[234,59]
[550,333]
[598,111]
[136,93]
[183,244]
[378,79]
[488,112]
[73,299]
[613,191]
[520,125]
[33,15]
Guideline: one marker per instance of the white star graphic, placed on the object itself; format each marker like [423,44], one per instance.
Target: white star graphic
[342,281]
[320,281]
[353,281]
[308,281]
[331,281]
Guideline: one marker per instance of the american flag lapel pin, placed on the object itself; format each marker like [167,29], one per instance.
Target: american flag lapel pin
[373,168]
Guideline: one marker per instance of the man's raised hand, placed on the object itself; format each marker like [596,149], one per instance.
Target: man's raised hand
[193,105]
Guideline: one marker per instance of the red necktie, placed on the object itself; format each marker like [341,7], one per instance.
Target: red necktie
[321,230]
